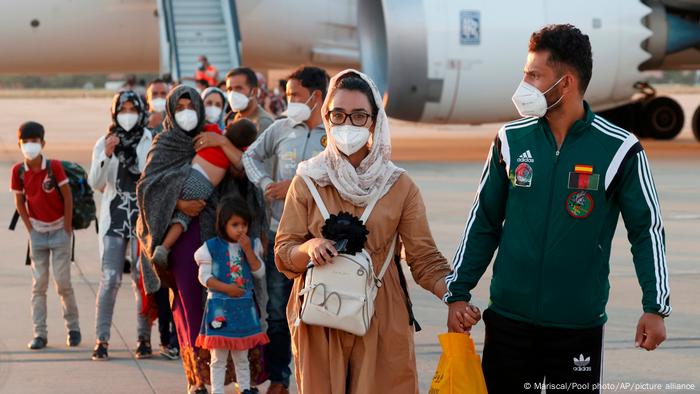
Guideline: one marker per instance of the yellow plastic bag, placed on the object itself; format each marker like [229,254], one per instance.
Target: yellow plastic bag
[459,370]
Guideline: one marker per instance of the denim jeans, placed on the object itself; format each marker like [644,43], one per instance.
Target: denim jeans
[113,256]
[56,247]
[278,353]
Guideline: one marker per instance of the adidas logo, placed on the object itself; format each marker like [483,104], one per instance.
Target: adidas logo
[526,157]
[582,364]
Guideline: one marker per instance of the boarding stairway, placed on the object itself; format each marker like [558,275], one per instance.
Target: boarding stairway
[190,28]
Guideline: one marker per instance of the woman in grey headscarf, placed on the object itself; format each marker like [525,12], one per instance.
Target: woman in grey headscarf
[168,165]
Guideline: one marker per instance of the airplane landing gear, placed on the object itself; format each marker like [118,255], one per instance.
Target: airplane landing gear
[663,118]
[656,117]
[696,124]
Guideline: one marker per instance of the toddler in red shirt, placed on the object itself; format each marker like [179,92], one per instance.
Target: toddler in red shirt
[209,167]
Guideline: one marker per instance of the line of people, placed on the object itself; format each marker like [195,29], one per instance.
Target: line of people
[179,126]
[235,213]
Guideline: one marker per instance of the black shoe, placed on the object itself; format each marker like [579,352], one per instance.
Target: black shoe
[143,349]
[37,343]
[74,338]
[253,390]
[201,390]
[100,352]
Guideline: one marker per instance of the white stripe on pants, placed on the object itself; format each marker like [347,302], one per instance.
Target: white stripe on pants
[218,369]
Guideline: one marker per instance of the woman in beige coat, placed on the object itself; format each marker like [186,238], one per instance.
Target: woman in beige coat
[354,169]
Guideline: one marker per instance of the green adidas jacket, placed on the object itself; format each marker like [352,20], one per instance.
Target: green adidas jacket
[552,215]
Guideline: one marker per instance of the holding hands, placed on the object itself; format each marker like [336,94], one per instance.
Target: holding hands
[462,316]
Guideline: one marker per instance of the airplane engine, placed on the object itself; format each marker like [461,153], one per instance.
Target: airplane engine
[431,57]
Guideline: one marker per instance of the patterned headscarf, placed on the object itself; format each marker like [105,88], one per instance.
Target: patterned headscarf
[128,140]
[362,184]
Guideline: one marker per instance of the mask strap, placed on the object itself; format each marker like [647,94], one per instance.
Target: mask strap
[307,102]
[555,84]
[552,87]
[555,103]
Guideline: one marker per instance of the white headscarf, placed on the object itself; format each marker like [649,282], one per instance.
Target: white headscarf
[362,184]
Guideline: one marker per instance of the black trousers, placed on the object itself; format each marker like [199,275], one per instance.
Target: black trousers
[522,358]
[166,325]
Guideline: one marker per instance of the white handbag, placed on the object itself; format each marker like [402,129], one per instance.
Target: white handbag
[341,294]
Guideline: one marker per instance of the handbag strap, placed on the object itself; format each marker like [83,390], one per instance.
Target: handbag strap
[322,207]
[370,206]
[387,261]
[317,197]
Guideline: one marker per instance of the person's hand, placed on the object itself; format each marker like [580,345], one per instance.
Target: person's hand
[232,290]
[320,250]
[209,140]
[277,190]
[246,245]
[111,142]
[155,120]
[462,316]
[651,331]
[191,208]
[67,227]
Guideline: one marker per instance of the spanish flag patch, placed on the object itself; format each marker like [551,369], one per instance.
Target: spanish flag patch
[583,169]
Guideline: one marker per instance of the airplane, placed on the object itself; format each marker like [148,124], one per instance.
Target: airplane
[438,61]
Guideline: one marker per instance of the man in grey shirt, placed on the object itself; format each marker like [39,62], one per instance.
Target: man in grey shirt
[242,91]
[288,141]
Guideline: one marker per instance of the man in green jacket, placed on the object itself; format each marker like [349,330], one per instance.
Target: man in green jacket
[550,195]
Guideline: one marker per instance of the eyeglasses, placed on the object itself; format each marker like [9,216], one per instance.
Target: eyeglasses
[338,117]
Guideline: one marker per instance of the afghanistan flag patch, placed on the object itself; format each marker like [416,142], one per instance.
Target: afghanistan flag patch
[583,178]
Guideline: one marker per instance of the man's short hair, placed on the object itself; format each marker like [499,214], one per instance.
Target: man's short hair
[156,81]
[250,78]
[566,46]
[312,78]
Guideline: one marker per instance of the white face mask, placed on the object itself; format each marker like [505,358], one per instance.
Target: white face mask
[299,112]
[529,101]
[238,101]
[158,105]
[348,138]
[213,113]
[187,119]
[30,150]
[127,121]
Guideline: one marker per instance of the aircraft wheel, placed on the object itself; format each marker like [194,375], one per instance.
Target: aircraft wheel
[696,124]
[662,117]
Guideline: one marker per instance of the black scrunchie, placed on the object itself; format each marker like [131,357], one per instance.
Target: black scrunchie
[346,226]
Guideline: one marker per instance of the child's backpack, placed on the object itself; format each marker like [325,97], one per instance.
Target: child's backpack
[84,211]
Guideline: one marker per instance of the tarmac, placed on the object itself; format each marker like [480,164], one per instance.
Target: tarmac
[446,162]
